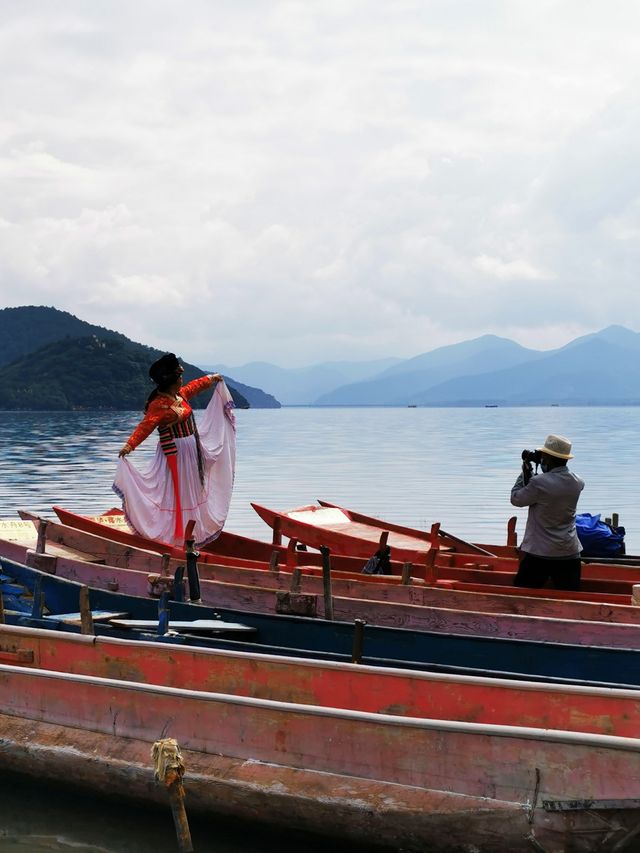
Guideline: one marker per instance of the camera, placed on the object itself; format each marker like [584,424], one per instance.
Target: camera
[532,456]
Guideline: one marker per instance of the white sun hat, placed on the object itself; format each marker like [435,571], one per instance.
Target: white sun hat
[557,445]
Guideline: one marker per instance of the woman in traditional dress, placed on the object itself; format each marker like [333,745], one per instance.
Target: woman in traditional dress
[191,476]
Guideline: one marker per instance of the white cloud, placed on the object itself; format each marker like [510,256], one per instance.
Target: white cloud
[297,179]
[513,270]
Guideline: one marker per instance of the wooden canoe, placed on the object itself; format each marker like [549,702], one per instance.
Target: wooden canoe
[347,533]
[24,590]
[96,561]
[572,625]
[454,764]
[229,548]
[451,566]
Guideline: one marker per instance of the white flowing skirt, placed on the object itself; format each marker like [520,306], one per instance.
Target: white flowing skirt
[149,500]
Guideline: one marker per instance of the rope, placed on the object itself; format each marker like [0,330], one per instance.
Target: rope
[167,761]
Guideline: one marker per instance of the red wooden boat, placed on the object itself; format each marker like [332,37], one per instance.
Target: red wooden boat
[425,617]
[464,567]
[353,534]
[228,549]
[348,533]
[416,761]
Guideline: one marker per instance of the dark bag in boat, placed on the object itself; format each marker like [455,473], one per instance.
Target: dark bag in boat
[378,564]
[597,538]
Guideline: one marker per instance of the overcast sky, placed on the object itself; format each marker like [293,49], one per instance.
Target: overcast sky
[304,181]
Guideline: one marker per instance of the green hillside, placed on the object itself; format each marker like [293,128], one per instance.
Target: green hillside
[25,329]
[90,372]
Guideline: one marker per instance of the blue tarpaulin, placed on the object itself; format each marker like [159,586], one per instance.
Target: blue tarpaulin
[597,538]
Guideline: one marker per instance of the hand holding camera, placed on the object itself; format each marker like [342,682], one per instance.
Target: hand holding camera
[529,459]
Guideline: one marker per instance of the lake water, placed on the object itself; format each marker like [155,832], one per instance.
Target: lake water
[412,466]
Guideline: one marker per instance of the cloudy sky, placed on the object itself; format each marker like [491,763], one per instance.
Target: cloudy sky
[305,181]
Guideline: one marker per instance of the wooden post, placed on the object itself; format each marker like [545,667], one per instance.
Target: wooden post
[615,519]
[434,533]
[273,562]
[41,544]
[607,521]
[296,576]
[164,565]
[384,538]
[38,599]
[86,619]
[512,536]
[193,574]
[406,573]
[291,553]
[431,570]
[163,614]
[169,769]
[635,594]
[277,534]
[358,641]
[326,582]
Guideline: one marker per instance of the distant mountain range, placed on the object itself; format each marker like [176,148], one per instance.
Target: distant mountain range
[51,360]
[302,386]
[597,369]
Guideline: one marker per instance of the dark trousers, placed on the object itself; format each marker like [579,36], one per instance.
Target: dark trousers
[535,572]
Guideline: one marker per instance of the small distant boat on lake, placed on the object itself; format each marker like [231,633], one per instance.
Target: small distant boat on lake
[491,405]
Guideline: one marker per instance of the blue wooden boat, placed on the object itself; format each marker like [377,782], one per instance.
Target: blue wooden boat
[34,598]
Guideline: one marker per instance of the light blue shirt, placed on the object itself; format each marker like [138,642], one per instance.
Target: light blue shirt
[552,498]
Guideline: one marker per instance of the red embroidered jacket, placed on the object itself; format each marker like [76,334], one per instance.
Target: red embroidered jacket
[165,411]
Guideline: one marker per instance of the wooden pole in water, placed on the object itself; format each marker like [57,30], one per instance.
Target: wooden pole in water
[406,573]
[169,769]
[326,582]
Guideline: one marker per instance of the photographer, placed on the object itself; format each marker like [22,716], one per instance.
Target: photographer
[550,547]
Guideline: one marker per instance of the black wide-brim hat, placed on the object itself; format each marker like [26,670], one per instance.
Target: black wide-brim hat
[164,368]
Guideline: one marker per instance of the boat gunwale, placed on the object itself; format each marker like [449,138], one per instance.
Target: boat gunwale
[588,739]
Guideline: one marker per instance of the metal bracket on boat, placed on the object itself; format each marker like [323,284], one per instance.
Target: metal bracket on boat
[588,805]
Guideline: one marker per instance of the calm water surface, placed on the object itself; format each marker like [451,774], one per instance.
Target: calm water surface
[411,466]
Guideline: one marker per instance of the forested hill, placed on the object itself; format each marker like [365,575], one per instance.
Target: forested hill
[25,329]
[88,373]
[50,359]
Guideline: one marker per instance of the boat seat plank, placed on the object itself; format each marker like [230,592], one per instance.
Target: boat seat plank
[96,615]
[54,549]
[372,534]
[213,625]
